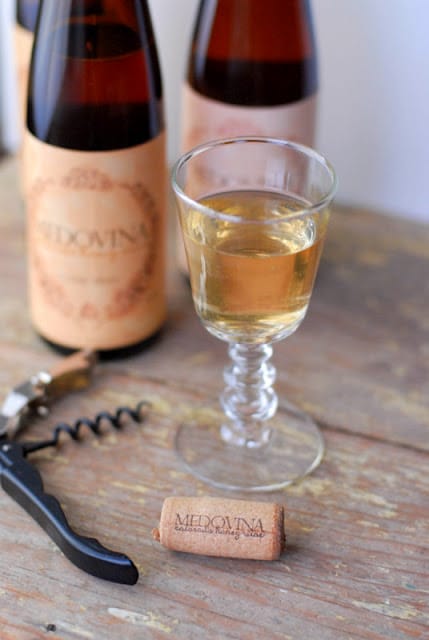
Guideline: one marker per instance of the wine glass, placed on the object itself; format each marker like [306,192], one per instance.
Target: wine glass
[253,214]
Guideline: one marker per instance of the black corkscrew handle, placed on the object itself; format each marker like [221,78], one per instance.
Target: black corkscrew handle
[24,484]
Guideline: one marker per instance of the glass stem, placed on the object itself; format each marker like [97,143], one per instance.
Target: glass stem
[248,400]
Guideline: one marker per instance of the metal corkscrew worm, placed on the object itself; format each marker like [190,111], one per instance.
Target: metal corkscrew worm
[23,482]
[104,417]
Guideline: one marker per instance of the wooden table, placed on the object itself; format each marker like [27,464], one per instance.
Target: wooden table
[357,559]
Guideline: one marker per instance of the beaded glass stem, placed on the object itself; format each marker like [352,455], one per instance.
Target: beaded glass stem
[248,400]
[253,214]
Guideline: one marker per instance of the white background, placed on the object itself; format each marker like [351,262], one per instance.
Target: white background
[374,99]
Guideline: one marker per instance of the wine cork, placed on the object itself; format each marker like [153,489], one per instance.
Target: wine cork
[222,527]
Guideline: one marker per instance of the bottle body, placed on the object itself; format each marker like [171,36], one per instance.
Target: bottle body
[96,176]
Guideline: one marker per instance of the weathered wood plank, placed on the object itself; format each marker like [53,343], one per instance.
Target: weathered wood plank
[358,537]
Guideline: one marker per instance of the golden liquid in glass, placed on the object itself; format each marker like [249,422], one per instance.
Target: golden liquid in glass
[252,280]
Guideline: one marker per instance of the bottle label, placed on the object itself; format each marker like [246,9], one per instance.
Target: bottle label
[206,119]
[96,243]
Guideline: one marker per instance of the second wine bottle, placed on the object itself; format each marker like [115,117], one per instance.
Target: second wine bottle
[95,173]
[252,71]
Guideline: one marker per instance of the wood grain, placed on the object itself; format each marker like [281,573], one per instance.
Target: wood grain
[357,560]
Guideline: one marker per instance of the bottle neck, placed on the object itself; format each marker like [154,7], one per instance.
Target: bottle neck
[133,14]
[272,30]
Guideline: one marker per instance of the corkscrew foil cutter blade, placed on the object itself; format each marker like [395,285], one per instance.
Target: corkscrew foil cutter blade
[23,482]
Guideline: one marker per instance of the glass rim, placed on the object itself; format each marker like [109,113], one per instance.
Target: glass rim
[305,211]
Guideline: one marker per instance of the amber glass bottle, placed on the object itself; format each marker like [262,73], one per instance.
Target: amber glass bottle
[252,71]
[96,176]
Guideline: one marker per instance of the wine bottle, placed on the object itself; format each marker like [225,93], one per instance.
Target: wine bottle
[25,24]
[96,176]
[252,70]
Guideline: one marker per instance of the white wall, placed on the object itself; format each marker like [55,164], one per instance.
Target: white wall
[173,23]
[8,100]
[374,117]
[374,104]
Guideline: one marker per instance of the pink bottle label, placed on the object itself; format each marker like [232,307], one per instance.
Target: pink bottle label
[205,119]
[96,235]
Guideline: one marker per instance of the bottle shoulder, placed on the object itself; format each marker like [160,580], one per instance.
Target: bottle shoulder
[94,87]
[273,30]
[255,83]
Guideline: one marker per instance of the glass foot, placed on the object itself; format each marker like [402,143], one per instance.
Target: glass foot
[293,450]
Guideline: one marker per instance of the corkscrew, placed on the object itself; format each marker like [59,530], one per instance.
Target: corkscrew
[23,482]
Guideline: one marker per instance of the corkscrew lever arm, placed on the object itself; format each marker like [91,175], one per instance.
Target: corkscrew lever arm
[24,484]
